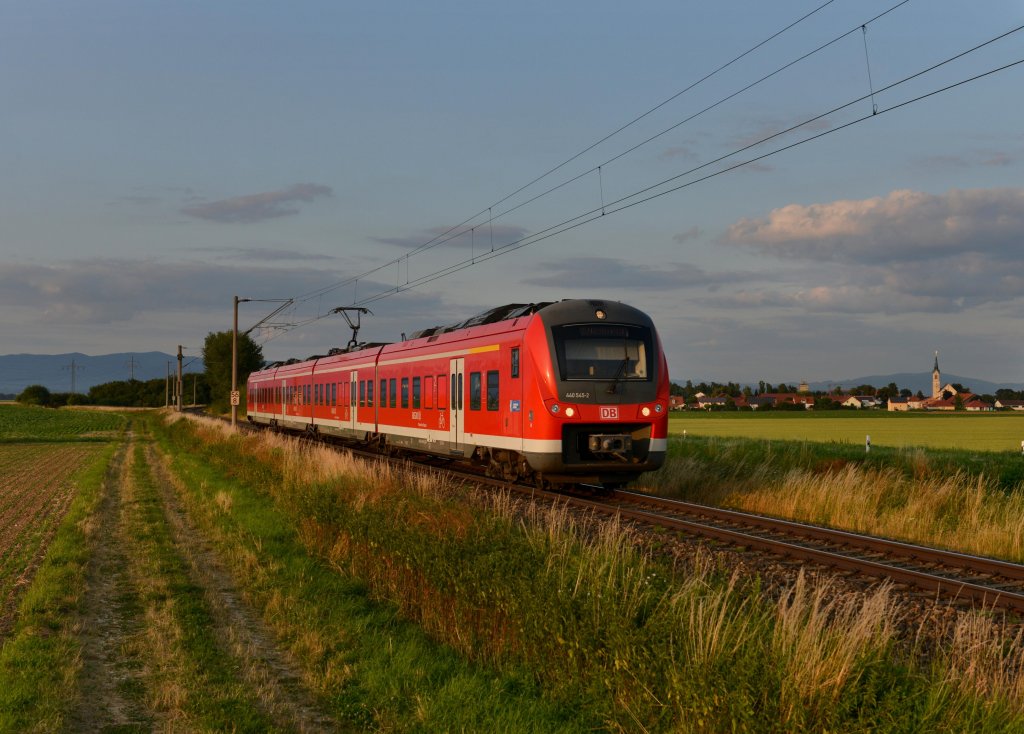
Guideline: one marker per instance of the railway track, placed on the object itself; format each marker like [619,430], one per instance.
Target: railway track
[945,574]
[959,577]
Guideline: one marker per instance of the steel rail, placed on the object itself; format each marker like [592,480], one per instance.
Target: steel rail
[976,564]
[962,590]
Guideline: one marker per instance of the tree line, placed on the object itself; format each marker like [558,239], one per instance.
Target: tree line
[211,387]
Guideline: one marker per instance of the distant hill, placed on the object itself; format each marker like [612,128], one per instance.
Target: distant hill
[915,381]
[53,371]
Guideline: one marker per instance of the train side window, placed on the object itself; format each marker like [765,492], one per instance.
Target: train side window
[442,392]
[353,402]
[492,390]
[383,393]
[515,361]
[334,393]
[369,393]
[428,392]
[405,392]
[460,381]
[474,391]
[393,390]
[416,392]
[455,403]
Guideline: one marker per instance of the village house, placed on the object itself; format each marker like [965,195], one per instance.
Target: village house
[1010,404]
[861,401]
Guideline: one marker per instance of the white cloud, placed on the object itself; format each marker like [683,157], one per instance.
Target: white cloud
[900,227]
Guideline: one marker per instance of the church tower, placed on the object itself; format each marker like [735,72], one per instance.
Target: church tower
[936,378]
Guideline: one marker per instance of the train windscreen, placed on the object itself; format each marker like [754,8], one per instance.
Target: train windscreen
[604,352]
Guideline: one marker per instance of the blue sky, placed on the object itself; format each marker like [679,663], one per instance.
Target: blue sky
[159,158]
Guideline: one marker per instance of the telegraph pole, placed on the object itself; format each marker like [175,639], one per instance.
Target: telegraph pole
[235,396]
[179,379]
[167,386]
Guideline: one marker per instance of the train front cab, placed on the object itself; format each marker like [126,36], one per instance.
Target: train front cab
[599,411]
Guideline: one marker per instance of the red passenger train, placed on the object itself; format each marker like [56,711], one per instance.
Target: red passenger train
[555,393]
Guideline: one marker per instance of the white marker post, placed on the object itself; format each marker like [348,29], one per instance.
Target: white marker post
[867,443]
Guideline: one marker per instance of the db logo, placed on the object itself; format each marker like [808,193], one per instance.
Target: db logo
[609,412]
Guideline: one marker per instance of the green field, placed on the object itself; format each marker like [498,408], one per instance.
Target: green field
[974,432]
[19,423]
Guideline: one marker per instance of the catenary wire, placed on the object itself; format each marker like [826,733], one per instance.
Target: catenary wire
[624,202]
[444,236]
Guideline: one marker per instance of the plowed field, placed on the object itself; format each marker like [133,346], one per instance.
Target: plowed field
[35,491]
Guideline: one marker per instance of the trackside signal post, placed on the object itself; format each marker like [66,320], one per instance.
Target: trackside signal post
[234,364]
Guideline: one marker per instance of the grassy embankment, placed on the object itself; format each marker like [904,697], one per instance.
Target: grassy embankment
[969,500]
[568,615]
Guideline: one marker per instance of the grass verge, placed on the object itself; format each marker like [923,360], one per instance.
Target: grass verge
[374,670]
[555,613]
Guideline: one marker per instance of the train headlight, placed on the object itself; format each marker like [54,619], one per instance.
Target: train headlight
[645,411]
[658,408]
[555,408]
[569,412]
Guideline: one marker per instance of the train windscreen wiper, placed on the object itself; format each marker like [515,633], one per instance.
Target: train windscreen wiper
[620,372]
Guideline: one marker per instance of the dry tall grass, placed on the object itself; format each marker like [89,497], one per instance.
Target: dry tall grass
[816,637]
[958,511]
[820,635]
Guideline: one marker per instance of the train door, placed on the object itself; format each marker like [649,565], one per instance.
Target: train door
[514,397]
[457,426]
[353,398]
[281,398]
